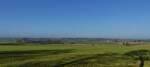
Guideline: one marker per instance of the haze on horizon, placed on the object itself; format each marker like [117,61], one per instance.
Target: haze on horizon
[75,18]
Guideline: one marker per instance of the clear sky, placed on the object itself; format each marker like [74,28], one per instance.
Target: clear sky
[75,18]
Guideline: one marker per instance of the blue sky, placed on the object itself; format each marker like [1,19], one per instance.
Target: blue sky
[75,18]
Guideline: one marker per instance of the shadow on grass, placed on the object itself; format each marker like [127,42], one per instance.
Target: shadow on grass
[87,60]
[104,59]
[11,56]
[32,52]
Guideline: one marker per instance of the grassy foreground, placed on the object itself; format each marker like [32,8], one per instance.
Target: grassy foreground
[66,55]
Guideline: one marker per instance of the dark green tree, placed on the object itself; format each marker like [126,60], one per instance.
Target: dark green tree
[141,55]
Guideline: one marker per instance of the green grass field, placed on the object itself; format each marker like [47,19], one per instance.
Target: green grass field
[60,55]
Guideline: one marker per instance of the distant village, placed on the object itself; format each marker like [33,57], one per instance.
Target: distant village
[72,40]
